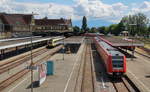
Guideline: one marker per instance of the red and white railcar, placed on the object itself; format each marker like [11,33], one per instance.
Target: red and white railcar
[115,61]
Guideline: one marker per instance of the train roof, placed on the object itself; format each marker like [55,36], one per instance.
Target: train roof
[111,50]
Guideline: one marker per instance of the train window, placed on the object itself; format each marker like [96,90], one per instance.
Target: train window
[117,63]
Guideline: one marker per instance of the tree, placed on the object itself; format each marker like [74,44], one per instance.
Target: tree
[101,29]
[93,30]
[84,24]
[76,29]
[120,27]
[136,24]
[114,29]
[87,29]
[148,31]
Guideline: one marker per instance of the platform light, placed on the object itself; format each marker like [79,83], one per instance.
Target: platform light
[132,42]
[31,65]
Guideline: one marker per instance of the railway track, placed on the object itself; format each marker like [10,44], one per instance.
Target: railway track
[120,86]
[7,82]
[10,60]
[20,60]
[124,84]
[142,54]
[87,79]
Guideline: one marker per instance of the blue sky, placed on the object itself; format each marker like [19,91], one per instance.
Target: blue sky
[71,1]
[98,12]
[66,2]
[127,2]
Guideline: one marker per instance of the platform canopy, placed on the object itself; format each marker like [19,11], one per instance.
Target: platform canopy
[121,42]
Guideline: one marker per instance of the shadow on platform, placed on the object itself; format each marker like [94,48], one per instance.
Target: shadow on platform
[35,85]
[147,76]
[99,66]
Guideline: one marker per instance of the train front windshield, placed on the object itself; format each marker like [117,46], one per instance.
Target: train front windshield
[117,62]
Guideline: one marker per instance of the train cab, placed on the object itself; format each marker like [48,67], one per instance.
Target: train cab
[114,60]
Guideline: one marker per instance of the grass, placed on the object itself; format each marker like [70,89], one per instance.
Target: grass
[120,37]
[146,42]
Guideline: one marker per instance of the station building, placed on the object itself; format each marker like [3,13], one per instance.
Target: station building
[52,26]
[21,25]
[15,25]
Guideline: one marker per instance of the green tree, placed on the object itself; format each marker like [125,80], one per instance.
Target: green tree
[84,24]
[76,29]
[119,28]
[93,30]
[106,30]
[87,29]
[113,29]
[136,24]
[148,31]
[101,29]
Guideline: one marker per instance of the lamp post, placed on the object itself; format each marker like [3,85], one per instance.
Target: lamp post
[31,64]
[132,41]
[63,46]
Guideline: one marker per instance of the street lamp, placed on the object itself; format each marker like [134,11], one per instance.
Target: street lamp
[31,67]
[132,41]
[63,47]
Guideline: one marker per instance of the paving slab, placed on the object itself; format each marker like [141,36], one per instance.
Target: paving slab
[138,70]
[59,82]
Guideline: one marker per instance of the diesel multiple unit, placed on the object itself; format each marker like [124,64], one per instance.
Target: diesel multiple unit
[115,61]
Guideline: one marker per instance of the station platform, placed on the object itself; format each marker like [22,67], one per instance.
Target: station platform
[73,40]
[62,80]
[15,46]
[121,42]
[19,38]
[138,70]
[21,42]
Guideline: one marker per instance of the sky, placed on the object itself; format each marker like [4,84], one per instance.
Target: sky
[98,12]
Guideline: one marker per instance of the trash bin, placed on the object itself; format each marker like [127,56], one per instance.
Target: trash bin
[50,68]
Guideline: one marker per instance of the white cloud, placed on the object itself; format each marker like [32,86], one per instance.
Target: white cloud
[51,10]
[93,9]
[4,6]
[97,9]
[143,8]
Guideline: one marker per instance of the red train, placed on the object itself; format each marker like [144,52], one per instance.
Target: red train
[115,61]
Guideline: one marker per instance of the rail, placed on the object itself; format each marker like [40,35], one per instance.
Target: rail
[124,84]
[85,79]
[7,82]
[6,66]
[142,54]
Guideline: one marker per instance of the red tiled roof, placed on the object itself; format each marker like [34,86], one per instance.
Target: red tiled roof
[16,19]
[52,22]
